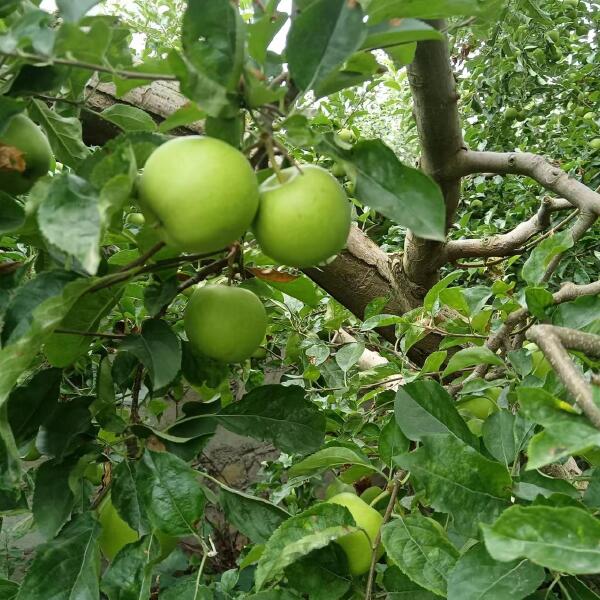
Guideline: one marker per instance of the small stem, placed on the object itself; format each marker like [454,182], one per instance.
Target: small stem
[214,267]
[144,257]
[90,66]
[386,517]
[110,336]
[272,159]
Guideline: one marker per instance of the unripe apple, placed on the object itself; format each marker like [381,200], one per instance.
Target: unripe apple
[94,473]
[225,323]
[136,219]
[358,545]
[32,148]
[347,135]
[304,219]
[201,193]
[480,407]
[595,144]
[115,533]
[511,113]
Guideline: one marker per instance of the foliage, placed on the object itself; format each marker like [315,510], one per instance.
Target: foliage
[489,481]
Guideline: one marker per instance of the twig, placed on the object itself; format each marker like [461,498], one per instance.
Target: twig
[214,267]
[110,336]
[386,517]
[554,342]
[144,257]
[78,64]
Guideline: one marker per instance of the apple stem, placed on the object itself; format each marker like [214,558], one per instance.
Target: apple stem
[272,160]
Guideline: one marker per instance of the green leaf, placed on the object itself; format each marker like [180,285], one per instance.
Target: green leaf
[67,567]
[334,456]
[125,496]
[64,134]
[8,589]
[158,349]
[256,518]
[347,356]
[421,549]
[401,587]
[73,10]
[560,539]
[129,575]
[531,484]
[578,314]
[535,266]
[53,499]
[477,575]
[576,589]
[213,46]
[470,357]
[505,434]
[402,31]
[379,10]
[169,492]
[434,293]
[129,118]
[278,414]
[187,114]
[187,588]
[298,536]
[322,574]
[63,349]
[425,408]
[21,311]
[62,431]
[566,432]
[72,205]
[30,404]
[538,299]
[12,214]
[321,39]
[262,31]
[392,441]
[405,195]
[16,358]
[459,481]
[591,497]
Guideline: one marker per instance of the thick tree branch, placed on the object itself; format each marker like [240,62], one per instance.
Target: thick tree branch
[554,343]
[436,112]
[537,167]
[506,244]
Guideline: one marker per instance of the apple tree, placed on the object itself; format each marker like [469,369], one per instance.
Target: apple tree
[361,232]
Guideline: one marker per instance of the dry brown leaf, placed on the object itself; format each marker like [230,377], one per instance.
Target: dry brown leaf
[12,159]
[272,275]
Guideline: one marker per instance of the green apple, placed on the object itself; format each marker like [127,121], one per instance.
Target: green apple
[136,219]
[94,473]
[347,135]
[511,113]
[479,407]
[338,170]
[115,533]
[358,545]
[30,145]
[225,323]
[304,219]
[199,192]
[595,144]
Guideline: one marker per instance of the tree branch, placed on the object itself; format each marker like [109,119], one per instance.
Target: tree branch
[554,343]
[569,291]
[537,167]
[436,112]
[506,244]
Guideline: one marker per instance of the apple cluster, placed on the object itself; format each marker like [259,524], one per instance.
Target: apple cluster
[202,194]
